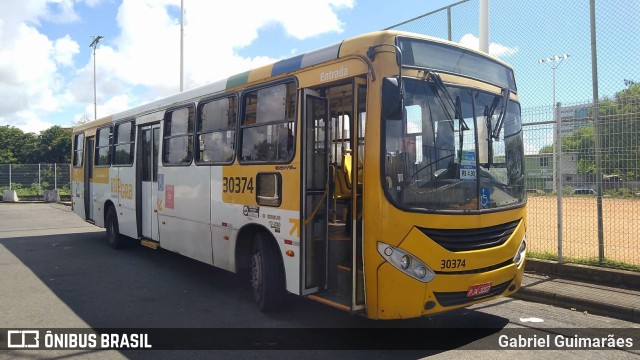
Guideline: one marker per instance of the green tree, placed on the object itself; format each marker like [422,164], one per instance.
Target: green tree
[51,146]
[619,120]
[55,145]
[16,146]
[620,124]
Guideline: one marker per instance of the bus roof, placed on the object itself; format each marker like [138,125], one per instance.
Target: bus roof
[277,69]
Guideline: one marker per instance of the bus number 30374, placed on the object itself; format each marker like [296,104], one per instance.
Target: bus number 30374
[237,184]
[452,263]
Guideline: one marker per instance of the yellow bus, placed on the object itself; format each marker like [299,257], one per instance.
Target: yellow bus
[382,175]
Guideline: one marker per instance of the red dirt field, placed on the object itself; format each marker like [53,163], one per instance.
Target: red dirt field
[621,224]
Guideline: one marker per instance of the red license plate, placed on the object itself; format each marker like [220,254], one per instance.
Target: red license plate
[477,290]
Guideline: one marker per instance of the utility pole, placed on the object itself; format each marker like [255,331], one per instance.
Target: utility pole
[94,43]
[554,62]
[181,45]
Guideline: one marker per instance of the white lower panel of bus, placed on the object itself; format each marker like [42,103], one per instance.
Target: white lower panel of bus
[186,237]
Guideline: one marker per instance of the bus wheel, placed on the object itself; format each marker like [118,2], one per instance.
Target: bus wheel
[267,274]
[115,239]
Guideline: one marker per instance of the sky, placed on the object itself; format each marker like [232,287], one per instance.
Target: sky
[46,63]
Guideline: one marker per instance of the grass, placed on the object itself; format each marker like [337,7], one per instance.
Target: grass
[33,191]
[546,255]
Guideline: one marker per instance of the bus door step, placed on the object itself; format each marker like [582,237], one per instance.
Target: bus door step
[332,299]
[149,243]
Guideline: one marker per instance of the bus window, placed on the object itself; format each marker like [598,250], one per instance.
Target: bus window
[78,146]
[268,124]
[123,143]
[216,131]
[103,147]
[178,138]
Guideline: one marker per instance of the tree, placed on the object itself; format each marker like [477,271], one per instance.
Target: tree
[619,120]
[620,126]
[16,146]
[51,146]
[55,145]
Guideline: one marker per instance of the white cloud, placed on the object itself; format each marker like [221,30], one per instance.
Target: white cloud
[495,49]
[30,81]
[64,50]
[40,77]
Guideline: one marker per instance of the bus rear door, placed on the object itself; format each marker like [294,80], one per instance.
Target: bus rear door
[88,179]
[148,180]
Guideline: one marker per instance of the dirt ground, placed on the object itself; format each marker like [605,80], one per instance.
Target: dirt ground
[621,224]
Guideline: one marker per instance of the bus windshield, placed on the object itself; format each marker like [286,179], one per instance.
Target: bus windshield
[456,149]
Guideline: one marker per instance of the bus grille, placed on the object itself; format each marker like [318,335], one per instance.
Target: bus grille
[471,239]
[460,297]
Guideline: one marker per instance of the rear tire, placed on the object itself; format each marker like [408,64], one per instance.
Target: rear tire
[267,274]
[115,239]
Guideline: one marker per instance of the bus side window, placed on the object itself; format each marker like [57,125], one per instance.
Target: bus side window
[123,143]
[216,131]
[103,147]
[268,126]
[178,136]
[78,146]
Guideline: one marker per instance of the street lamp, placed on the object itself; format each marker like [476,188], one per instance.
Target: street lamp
[181,45]
[94,43]
[554,62]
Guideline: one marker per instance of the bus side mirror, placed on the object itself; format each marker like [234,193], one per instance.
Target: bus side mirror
[392,99]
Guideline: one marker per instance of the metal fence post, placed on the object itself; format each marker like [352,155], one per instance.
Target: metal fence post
[558,152]
[9,176]
[55,175]
[449,37]
[598,145]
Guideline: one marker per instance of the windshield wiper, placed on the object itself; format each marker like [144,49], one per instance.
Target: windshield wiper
[495,132]
[453,109]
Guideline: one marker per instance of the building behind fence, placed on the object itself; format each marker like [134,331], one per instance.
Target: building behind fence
[595,217]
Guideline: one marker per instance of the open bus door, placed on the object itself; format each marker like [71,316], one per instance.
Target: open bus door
[314,193]
[88,178]
[147,181]
[333,148]
[360,119]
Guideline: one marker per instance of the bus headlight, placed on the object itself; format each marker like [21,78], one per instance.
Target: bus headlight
[406,262]
[522,251]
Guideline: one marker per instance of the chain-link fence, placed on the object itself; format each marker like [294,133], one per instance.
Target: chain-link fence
[595,218]
[600,220]
[31,180]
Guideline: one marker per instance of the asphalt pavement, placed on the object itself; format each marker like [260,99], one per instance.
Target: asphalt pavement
[594,290]
[587,289]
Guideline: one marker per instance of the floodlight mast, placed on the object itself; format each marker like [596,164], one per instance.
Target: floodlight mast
[94,44]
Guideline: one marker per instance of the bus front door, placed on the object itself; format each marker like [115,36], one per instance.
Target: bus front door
[315,193]
[148,177]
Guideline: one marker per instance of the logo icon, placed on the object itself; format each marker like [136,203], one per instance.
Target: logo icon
[23,338]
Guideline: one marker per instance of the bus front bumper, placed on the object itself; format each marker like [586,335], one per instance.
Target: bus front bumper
[401,297]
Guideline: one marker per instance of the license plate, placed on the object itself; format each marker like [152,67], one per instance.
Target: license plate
[480,289]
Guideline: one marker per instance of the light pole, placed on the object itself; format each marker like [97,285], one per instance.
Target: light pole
[181,45]
[554,62]
[94,43]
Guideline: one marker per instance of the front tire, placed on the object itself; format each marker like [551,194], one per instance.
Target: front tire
[115,239]
[267,274]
